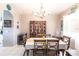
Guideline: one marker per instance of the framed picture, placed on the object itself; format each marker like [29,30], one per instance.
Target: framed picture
[7,23]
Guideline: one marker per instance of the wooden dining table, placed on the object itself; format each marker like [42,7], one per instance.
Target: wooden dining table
[30,43]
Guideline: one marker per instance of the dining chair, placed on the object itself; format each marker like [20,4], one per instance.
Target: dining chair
[39,48]
[66,39]
[24,39]
[48,35]
[52,47]
[40,35]
[58,37]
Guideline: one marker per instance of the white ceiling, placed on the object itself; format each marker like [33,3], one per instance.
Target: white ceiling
[34,1]
[31,6]
[49,7]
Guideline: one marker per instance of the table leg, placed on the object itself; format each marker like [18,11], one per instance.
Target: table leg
[63,52]
[24,53]
[27,52]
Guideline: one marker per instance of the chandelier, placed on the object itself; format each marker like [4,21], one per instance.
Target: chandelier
[41,13]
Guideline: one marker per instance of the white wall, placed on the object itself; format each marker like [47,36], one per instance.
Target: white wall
[52,26]
[16,31]
[2,7]
[16,22]
[71,28]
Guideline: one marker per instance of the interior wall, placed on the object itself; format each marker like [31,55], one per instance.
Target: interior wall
[2,7]
[16,27]
[71,28]
[52,26]
[24,23]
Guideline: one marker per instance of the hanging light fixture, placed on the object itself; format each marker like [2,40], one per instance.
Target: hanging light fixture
[41,13]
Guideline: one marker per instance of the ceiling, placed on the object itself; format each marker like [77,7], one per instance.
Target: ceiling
[29,8]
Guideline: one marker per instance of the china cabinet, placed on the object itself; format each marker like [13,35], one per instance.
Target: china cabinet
[37,28]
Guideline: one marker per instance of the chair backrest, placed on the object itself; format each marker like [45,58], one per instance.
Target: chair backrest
[58,37]
[66,39]
[39,44]
[53,44]
[24,39]
[40,35]
[48,35]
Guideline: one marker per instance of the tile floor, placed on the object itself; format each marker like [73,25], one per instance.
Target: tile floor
[31,53]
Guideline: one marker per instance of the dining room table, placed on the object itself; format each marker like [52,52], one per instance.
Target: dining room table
[30,43]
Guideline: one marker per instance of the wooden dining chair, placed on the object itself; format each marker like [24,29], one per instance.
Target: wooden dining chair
[47,35]
[24,39]
[58,37]
[40,35]
[52,47]
[39,47]
[66,39]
